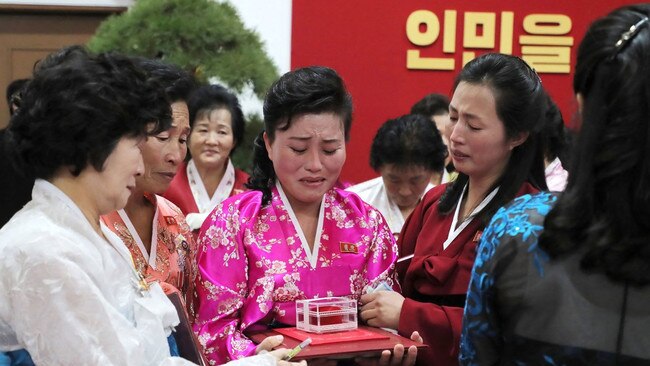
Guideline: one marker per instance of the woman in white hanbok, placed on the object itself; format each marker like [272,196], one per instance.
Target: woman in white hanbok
[69,294]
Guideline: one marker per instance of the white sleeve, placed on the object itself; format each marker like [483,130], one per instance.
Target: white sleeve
[61,316]
[264,359]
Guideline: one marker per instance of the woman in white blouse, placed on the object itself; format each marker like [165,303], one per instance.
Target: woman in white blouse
[69,294]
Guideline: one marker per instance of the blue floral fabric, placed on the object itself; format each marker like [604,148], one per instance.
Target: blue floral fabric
[481,334]
[524,309]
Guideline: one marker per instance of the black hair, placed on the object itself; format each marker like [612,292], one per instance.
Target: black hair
[520,104]
[209,98]
[177,83]
[14,93]
[556,137]
[409,140]
[605,208]
[308,90]
[431,105]
[77,107]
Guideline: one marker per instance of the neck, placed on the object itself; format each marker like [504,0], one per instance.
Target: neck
[74,188]
[477,190]
[211,175]
[436,178]
[137,201]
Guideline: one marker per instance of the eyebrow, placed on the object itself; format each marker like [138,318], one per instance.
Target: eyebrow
[307,138]
[464,114]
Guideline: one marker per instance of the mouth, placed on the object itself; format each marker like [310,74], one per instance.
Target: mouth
[312,180]
[167,175]
[457,154]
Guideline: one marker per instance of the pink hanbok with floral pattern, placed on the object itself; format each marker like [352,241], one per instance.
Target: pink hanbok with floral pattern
[254,262]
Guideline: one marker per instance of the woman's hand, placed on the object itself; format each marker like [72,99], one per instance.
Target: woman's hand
[268,345]
[399,356]
[381,309]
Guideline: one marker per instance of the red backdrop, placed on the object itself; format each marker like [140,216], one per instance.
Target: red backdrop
[367,42]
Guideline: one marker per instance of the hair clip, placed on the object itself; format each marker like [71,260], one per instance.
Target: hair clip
[625,37]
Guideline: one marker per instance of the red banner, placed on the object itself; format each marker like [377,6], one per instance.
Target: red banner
[392,53]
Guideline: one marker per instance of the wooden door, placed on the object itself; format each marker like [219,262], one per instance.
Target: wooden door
[28,34]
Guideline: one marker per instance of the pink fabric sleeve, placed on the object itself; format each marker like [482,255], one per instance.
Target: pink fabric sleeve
[384,251]
[221,286]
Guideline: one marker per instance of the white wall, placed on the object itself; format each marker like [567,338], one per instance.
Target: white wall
[272,21]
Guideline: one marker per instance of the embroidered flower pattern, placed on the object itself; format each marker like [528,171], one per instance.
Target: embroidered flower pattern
[254,269]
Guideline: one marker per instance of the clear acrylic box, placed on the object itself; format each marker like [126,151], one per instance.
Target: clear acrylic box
[329,314]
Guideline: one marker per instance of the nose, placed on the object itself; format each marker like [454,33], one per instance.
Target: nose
[212,138]
[313,163]
[455,134]
[175,154]
[404,190]
[140,166]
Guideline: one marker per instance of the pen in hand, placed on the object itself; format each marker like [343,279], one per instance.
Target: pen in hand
[296,349]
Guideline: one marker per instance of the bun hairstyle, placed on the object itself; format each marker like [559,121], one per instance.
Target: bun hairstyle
[309,90]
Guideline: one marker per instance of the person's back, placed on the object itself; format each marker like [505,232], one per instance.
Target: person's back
[563,279]
[547,309]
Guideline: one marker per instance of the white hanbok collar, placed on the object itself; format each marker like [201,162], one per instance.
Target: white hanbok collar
[453,231]
[49,191]
[151,258]
[312,255]
[204,202]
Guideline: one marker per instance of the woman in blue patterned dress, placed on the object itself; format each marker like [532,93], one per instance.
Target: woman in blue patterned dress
[563,280]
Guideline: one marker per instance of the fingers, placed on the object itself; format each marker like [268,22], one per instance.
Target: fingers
[288,363]
[367,298]
[411,356]
[398,354]
[415,336]
[269,343]
[385,358]
[367,315]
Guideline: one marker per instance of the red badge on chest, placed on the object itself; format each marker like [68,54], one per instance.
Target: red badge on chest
[170,220]
[348,248]
[477,236]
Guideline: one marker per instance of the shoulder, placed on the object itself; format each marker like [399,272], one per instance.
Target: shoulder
[366,186]
[352,203]
[522,219]
[33,237]
[434,194]
[247,203]
[167,207]
[241,175]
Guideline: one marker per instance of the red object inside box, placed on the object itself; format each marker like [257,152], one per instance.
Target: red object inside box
[326,320]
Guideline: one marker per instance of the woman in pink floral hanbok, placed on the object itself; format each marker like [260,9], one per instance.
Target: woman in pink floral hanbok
[294,236]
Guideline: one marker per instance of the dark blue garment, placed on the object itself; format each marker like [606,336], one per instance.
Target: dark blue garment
[524,308]
[173,347]
[16,358]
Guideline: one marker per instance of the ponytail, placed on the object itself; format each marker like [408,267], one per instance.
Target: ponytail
[263,176]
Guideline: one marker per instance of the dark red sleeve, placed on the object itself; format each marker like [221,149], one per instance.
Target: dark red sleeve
[439,326]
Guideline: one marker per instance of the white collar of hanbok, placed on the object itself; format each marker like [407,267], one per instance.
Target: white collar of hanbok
[151,258]
[312,254]
[204,202]
[455,231]
[48,191]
